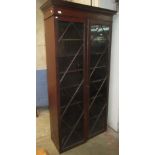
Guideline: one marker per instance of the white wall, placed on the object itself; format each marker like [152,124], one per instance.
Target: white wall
[113,108]
[108,4]
[40,37]
[113,112]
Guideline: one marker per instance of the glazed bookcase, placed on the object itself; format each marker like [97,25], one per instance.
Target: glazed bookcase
[78,41]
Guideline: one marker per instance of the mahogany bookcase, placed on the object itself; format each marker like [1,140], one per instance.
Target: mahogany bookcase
[78,41]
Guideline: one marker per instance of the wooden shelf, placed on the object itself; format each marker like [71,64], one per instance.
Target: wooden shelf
[97,67]
[68,87]
[72,71]
[97,53]
[95,81]
[73,104]
[96,97]
[67,56]
[71,39]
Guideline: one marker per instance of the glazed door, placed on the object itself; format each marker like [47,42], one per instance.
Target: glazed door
[99,51]
[70,60]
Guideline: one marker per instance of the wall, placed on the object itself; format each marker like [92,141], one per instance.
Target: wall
[41,73]
[108,4]
[113,112]
[40,37]
[86,2]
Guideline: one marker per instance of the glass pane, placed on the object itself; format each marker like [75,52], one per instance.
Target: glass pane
[70,73]
[98,78]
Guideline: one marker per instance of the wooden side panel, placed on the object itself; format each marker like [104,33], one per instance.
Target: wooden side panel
[52,79]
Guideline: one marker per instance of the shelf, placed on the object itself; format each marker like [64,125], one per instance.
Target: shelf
[94,117]
[96,97]
[71,39]
[97,53]
[95,81]
[69,127]
[67,56]
[68,87]
[97,67]
[75,103]
[72,71]
[98,40]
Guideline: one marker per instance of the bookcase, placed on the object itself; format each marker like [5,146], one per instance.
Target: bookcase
[78,41]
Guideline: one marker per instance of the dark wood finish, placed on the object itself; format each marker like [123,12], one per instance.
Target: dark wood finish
[59,17]
[87,8]
[74,12]
[52,79]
